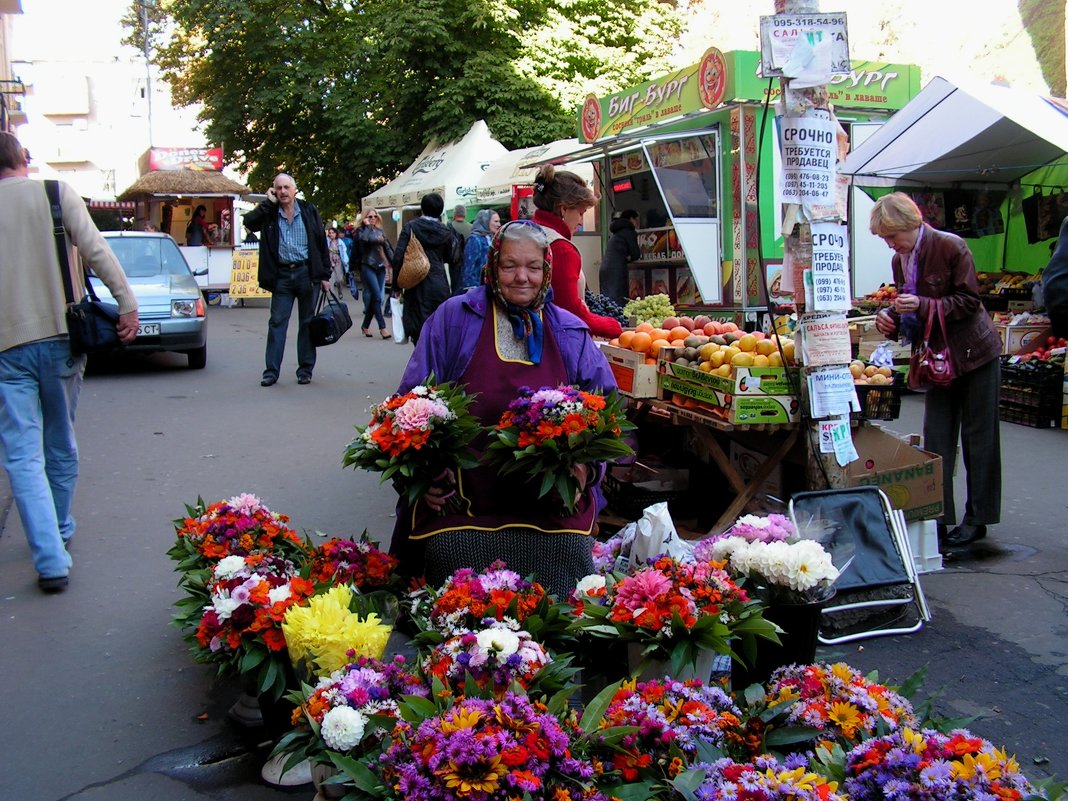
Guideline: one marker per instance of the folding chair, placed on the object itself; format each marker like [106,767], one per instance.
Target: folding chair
[869,543]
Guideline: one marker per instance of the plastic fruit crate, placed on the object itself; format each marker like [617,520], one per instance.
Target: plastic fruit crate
[879,401]
[1047,416]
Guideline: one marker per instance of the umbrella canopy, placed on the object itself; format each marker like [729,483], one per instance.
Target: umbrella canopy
[949,135]
[495,185]
[202,183]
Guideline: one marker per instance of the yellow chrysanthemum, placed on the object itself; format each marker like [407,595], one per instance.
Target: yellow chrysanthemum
[969,766]
[846,716]
[322,633]
[914,740]
[459,719]
[481,776]
[842,671]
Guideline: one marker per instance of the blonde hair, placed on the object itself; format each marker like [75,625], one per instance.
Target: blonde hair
[893,213]
[554,188]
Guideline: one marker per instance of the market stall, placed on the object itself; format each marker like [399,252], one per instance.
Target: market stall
[174,184]
[452,170]
[507,183]
[684,150]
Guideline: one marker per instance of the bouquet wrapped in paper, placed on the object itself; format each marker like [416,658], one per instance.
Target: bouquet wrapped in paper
[416,436]
[547,433]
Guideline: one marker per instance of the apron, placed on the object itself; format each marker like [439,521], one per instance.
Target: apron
[490,502]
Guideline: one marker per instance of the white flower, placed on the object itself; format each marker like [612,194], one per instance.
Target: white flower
[342,728]
[420,390]
[499,641]
[224,605]
[725,547]
[753,520]
[278,594]
[589,584]
[229,567]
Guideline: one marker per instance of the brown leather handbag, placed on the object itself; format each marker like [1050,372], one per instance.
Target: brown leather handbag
[932,367]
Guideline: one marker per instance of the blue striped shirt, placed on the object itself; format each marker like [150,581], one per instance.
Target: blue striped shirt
[292,237]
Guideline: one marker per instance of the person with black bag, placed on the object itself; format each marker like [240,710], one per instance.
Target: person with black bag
[40,376]
[422,297]
[936,274]
[294,267]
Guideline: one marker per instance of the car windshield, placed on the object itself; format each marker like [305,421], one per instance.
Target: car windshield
[145,256]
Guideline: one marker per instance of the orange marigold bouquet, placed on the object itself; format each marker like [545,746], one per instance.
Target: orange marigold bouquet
[415,436]
[546,433]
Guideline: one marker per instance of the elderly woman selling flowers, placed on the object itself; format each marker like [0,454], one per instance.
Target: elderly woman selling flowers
[496,340]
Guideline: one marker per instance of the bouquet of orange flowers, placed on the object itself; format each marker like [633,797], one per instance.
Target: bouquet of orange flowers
[415,436]
[548,432]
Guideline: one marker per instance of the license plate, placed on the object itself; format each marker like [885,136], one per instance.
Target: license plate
[148,329]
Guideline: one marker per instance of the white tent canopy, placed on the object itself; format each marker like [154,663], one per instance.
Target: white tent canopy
[452,170]
[948,135]
[495,185]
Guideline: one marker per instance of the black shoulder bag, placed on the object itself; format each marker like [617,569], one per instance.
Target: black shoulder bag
[91,323]
[331,320]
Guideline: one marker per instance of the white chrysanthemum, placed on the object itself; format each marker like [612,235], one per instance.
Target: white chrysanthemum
[229,567]
[278,594]
[589,584]
[499,641]
[753,520]
[223,605]
[342,728]
[420,390]
[725,547]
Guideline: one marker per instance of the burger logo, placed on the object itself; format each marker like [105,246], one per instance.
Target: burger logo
[591,118]
[712,78]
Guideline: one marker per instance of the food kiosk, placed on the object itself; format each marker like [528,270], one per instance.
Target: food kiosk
[694,153]
[174,182]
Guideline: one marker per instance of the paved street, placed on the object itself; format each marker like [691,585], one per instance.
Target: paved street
[103,701]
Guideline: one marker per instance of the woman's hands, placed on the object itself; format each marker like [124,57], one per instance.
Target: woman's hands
[885,324]
[904,304]
[441,490]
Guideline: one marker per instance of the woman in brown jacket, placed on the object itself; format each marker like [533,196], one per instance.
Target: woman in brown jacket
[931,264]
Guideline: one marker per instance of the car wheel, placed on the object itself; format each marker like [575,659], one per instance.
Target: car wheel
[198,358]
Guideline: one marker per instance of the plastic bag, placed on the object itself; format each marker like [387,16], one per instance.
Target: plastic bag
[655,535]
[397,306]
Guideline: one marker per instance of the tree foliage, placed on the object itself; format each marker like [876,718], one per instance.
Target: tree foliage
[343,94]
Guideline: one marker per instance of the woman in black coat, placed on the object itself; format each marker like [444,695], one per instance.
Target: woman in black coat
[439,244]
[621,250]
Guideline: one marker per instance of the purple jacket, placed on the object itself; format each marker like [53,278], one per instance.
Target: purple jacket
[449,336]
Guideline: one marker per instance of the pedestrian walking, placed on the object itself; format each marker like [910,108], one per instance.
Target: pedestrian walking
[372,252]
[438,243]
[339,260]
[476,252]
[40,378]
[294,266]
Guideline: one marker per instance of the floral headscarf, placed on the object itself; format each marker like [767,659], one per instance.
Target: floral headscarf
[526,320]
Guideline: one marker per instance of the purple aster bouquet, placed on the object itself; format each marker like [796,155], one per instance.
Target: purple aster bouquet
[495,658]
[486,750]
[546,433]
[350,712]
[765,779]
[927,765]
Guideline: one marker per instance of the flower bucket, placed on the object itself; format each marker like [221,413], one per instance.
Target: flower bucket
[659,668]
[800,624]
[320,773]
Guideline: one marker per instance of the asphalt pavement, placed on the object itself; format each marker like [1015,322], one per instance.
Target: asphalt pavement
[104,702]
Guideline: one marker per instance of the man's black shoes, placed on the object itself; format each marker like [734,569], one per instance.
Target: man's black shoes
[54,584]
[963,535]
[269,380]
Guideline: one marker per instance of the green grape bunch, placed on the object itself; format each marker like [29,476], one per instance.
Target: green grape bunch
[651,309]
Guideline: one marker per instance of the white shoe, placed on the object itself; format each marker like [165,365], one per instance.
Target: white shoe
[294,777]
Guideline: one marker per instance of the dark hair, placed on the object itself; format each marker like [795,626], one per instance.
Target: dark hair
[12,153]
[201,209]
[432,205]
[553,188]
[629,214]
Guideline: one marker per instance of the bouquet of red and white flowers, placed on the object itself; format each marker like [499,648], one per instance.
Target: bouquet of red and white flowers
[547,433]
[415,436]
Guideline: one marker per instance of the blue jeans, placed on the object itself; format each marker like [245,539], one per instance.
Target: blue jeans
[39,386]
[292,285]
[374,292]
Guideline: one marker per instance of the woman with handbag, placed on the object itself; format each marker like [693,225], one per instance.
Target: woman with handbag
[955,355]
[371,254]
[422,273]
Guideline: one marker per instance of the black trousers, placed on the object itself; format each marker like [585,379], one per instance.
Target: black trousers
[968,412]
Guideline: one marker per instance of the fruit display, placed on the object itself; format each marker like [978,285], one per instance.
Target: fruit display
[883,296]
[677,332]
[605,307]
[1053,349]
[865,374]
[651,309]
[718,353]
[1016,284]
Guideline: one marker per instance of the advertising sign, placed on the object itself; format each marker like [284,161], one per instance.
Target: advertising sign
[699,86]
[243,276]
[185,158]
[830,268]
[781,33]
[808,159]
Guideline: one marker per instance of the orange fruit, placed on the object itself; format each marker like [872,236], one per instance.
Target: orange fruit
[748,343]
[679,332]
[660,333]
[641,341]
[643,328]
[656,345]
[625,338]
[614,342]
[650,361]
[678,343]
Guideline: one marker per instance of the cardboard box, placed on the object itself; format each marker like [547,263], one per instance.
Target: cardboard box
[737,409]
[1016,338]
[635,378]
[910,476]
[867,347]
[742,380]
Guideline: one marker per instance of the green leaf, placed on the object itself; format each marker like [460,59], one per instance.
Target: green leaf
[687,782]
[788,735]
[358,773]
[595,710]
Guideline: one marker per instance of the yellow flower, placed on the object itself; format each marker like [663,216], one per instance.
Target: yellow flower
[970,766]
[477,777]
[842,671]
[323,631]
[914,740]
[846,716]
[459,719]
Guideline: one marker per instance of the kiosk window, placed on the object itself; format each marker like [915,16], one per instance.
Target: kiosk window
[686,171]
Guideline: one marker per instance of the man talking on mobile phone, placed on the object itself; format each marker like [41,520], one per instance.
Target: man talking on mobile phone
[294,266]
